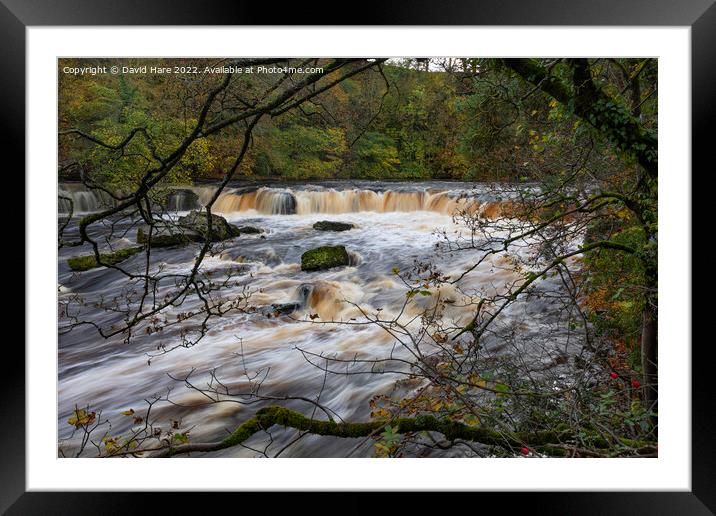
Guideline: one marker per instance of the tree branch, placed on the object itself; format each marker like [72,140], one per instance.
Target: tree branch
[542,441]
[590,103]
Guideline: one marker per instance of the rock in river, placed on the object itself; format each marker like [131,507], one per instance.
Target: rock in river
[86,262]
[197,221]
[250,230]
[324,258]
[166,237]
[278,309]
[328,225]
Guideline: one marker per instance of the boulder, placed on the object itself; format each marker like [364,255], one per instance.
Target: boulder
[165,237]
[198,222]
[328,225]
[278,309]
[324,258]
[250,230]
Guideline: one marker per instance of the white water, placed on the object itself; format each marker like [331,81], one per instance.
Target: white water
[304,199]
[77,198]
[112,376]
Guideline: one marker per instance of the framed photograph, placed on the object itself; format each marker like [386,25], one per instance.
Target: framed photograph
[433,254]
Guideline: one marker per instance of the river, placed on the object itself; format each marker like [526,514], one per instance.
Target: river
[396,226]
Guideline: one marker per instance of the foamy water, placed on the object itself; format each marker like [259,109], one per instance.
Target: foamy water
[112,376]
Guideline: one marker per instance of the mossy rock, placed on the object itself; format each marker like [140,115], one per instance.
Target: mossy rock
[86,262]
[163,237]
[328,225]
[198,221]
[324,258]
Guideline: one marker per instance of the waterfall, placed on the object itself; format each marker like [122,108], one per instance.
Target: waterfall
[80,199]
[273,201]
[183,200]
[304,199]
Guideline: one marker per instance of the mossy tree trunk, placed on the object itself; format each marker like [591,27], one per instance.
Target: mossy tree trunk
[545,442]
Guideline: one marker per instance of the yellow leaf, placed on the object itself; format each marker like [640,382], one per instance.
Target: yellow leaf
[80,417]
[381,412]
[110,444]
[129,412]
[477,381]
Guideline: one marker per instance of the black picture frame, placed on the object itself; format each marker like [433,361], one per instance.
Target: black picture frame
[700,15]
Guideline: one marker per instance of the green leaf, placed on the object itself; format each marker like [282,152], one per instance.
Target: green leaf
[181,438]
[501,388]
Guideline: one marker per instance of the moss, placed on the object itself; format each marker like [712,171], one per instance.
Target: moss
[542,442]
[269,416]
[86,262]
[324,258]
[552,451]
[243,432]
[163,238]
[283,416]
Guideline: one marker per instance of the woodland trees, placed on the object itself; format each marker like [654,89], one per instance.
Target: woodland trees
[618,121]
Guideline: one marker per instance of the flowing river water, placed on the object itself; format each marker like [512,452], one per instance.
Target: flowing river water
[396,225]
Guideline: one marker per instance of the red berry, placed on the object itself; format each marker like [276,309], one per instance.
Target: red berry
[636,384]
[614,376]
[525,451]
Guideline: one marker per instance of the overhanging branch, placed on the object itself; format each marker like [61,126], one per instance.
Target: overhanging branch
[547,442]
[590,103]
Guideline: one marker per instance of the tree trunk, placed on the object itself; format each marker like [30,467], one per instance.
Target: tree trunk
[649,364]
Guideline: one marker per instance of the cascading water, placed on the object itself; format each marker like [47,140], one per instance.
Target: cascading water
[271,201]
[78,198]
[361,197]
[183,200]
[394,227]
[308,199]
